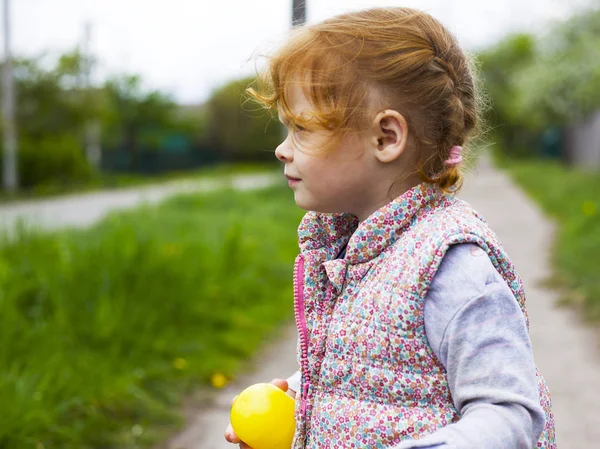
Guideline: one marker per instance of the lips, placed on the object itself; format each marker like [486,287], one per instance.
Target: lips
[291,178]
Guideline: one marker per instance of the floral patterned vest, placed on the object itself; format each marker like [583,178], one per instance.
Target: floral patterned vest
[369,376]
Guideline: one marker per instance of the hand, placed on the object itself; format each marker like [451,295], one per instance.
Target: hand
[230,435]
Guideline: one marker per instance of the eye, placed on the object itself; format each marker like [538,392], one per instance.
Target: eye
[299,128]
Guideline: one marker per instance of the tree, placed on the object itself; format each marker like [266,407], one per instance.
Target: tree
[130,109]
[238,127]
[544,83]
[51,101]
[499,67]
[51,113]
[563,86]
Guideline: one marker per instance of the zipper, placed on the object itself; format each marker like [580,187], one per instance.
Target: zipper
[300,316]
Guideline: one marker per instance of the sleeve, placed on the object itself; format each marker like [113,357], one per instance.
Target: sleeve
[294,381]
[477,330]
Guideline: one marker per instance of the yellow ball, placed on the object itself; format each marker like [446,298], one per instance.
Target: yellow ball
[262,416]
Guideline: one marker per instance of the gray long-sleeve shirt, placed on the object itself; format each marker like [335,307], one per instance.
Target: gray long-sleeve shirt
[476,328]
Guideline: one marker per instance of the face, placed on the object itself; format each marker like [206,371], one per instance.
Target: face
[339,179]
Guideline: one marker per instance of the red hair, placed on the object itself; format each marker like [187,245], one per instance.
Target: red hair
[355,64]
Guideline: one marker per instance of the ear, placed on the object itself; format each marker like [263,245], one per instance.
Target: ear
[390,135]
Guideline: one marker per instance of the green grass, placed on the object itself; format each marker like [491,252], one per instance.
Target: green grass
[572,197]
[104,181]
[103,331]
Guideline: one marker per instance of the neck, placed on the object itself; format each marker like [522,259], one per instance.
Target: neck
[392,192]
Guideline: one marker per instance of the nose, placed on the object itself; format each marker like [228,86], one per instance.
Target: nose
[285,151]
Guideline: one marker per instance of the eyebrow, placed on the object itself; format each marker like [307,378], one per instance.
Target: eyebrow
[286,119]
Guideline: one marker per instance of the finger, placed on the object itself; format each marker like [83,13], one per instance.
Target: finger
[227,434]
[230,435]
[244,446]
[281,383]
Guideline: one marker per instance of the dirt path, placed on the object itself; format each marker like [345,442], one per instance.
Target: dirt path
[85,209]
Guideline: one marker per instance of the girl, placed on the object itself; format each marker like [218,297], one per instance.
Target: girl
[412,324]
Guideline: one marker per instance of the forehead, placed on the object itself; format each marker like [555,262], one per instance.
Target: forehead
[295,101]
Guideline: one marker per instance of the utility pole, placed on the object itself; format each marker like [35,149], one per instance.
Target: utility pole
[298,19]
[298,12]
[10,180]
[93,150]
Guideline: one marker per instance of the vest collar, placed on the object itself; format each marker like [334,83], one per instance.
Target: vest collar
[369,238]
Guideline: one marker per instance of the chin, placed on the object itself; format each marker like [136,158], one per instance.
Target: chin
[302,203]
[310,205]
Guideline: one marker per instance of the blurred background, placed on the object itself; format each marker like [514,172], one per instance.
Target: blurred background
[108,318]
[147,88]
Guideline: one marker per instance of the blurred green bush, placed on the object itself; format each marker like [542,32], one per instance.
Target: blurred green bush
[53,112]
[51,163]
[241,130]
[102,331]
[53,159]
[538,85]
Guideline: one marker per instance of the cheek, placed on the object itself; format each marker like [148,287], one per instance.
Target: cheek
[311,166]
[335,180]
[321,169]
[341,169]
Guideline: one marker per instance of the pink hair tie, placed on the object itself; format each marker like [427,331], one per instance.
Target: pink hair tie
[455,157]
